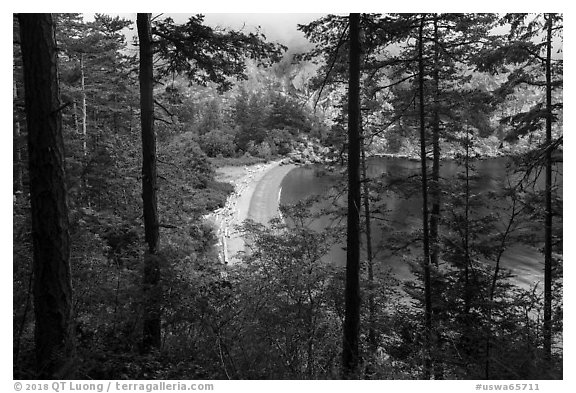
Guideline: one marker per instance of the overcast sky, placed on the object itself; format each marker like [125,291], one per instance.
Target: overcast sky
[278,27]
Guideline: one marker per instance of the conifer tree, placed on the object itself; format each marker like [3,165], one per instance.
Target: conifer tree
[52,283]
[204,55]
[351,354]
[534,66]
[152,324]
[425,233]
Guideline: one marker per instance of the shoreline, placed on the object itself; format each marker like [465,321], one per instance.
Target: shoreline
[253,187]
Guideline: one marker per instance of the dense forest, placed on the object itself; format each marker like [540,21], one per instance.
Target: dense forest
[120,128]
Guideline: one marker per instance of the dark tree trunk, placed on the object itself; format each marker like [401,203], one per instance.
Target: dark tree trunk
[435,183]
[17,94]
[350,355]
[435,186]
[51,243]
[547,333]
[84,108]
[372,337]
[152,329]
[467,289]
[85,185]
[17,159]
[425,231]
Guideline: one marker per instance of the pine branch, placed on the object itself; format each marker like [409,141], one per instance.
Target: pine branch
[394,120]
[396,83]
[164,108]
[535,54]
[62,107]
[529,82]
[340,42]
[164,121]
[387,63]
[167,163]
[537,160]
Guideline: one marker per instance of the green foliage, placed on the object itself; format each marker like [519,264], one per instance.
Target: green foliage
[250,116]
[264,150]
[286,113]
[262,121]
[280,141]
[289,294]
[522,58]
[217,142]
[210,118]
[207,54]
[96,50]
[187,181]
[267,124]
[395,138]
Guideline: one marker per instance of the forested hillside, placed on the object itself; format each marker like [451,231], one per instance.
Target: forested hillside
[118,153]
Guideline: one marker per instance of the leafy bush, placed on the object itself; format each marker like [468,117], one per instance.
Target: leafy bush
[218,142]
[281,139]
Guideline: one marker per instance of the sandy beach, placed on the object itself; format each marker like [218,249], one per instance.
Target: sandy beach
[255,196]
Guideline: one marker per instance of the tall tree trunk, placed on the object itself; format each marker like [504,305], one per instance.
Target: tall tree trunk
[75,116]
[425,231]
[547,333]
[467,328]
[435,183]
[51,243]
[84,109]
[311,332]
[350,355]
[152,329]
[18,157]
[467,289]
[19,184]
[372,338]
[84,131]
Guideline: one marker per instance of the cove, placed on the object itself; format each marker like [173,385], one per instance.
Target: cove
[402,213]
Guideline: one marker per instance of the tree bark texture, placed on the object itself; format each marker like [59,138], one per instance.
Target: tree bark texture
[84,108]
[51,243]
[435,186]
[151,332]
[18,183]
[372,337]
[148,134]
[435,189]
[350,355]
[425,230]
[17,101]
[547,328]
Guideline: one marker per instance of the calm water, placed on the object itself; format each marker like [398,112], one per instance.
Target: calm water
[403,213]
